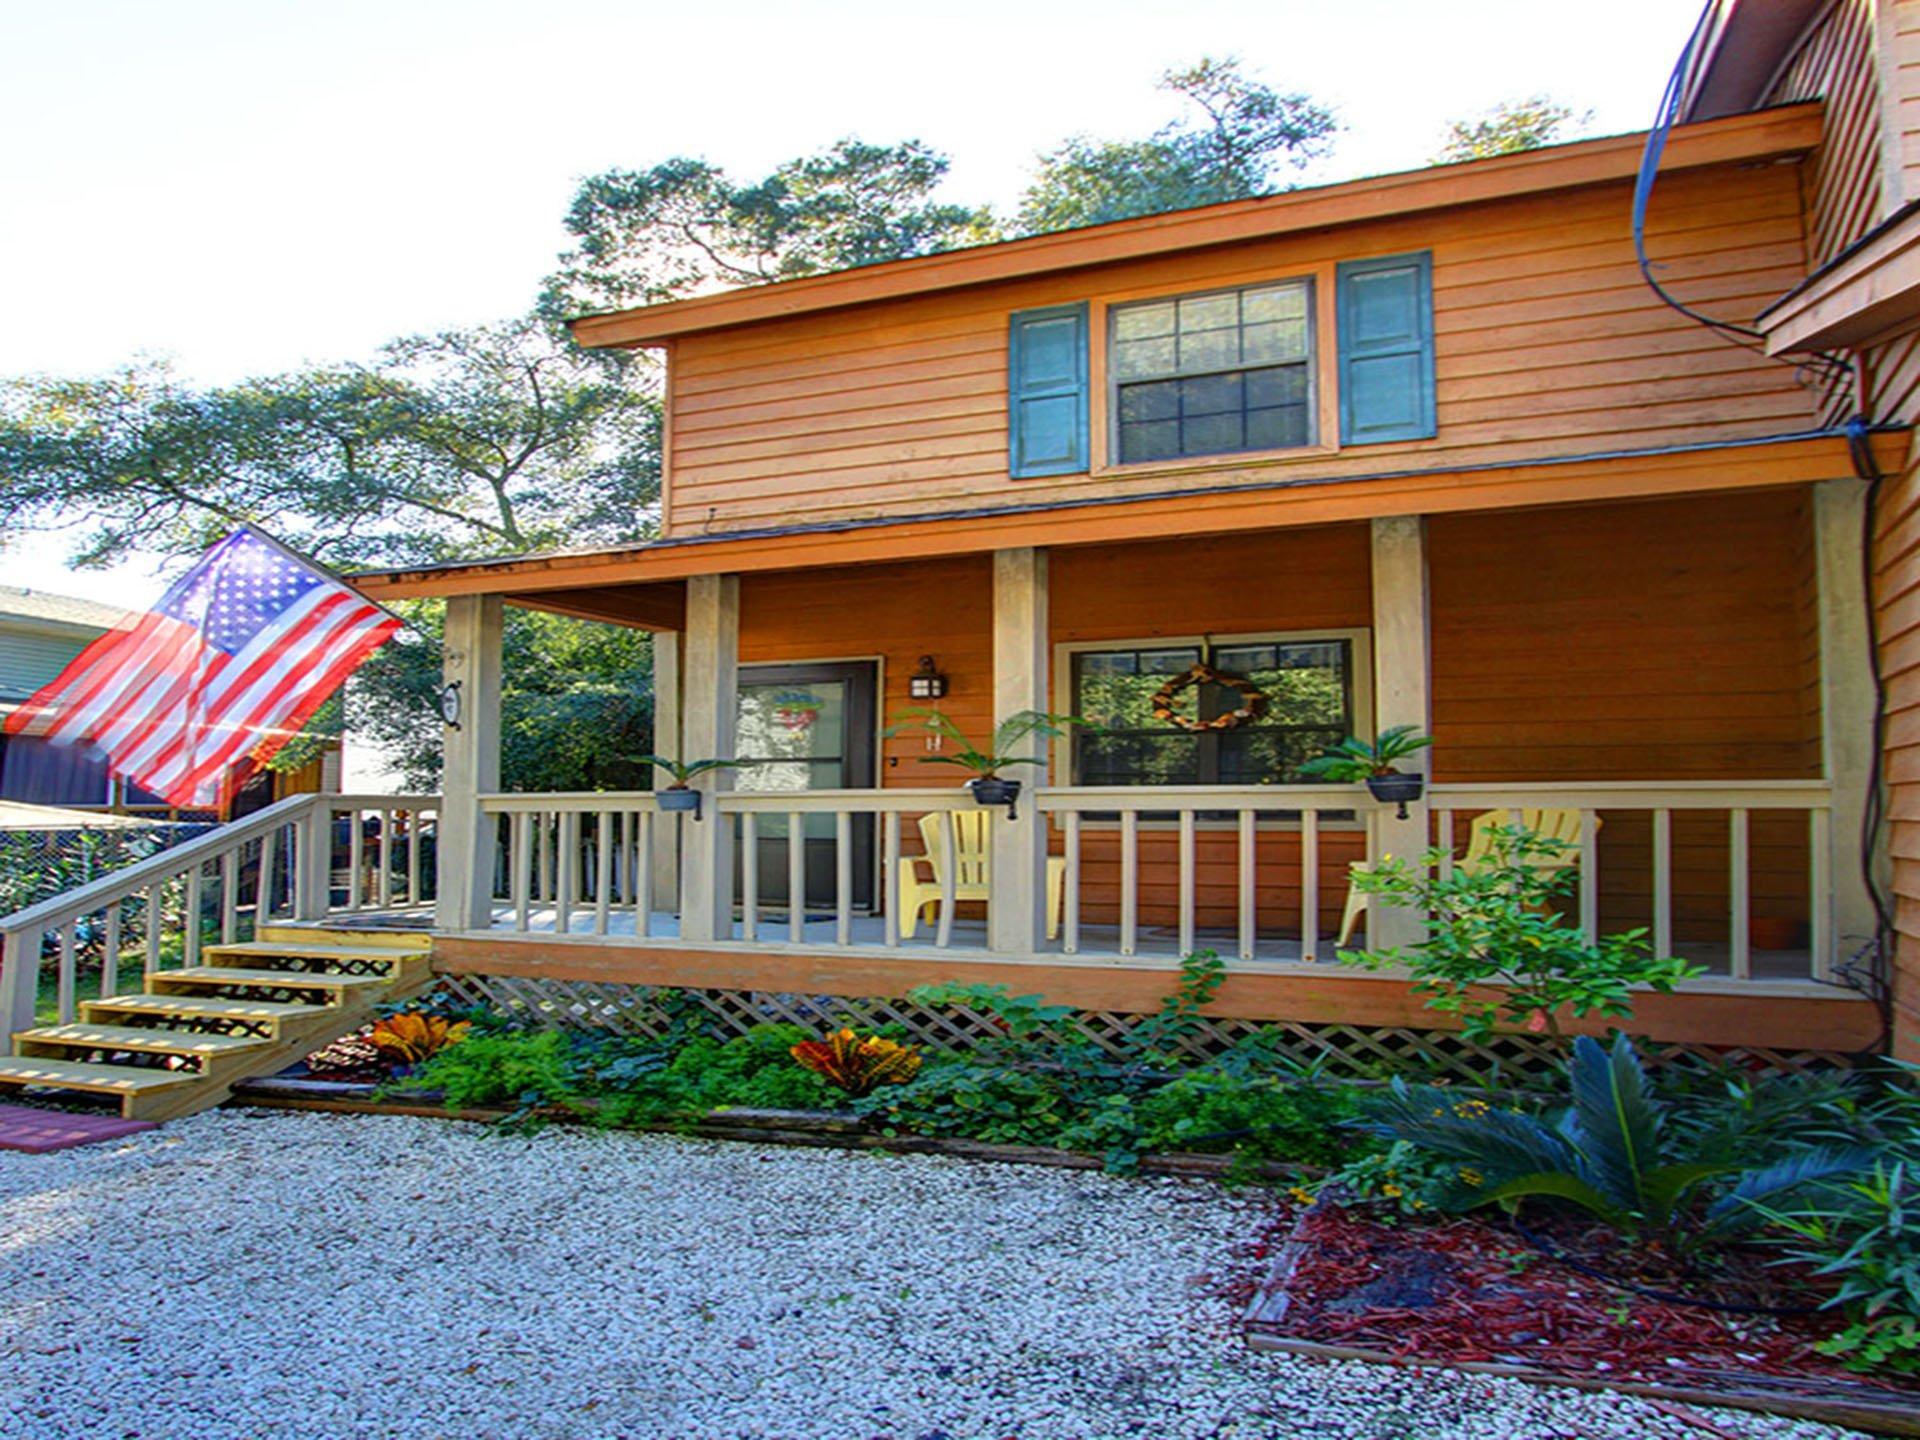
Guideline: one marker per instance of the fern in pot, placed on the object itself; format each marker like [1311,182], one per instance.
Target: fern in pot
[988,785]
[680,795]
[1375,763]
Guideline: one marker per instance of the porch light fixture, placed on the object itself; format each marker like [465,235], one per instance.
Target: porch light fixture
[927,683]
[450,704]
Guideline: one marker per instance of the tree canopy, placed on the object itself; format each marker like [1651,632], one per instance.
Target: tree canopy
[1510,126]
[1245,135]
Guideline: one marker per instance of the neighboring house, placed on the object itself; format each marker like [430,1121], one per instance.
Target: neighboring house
[39,635]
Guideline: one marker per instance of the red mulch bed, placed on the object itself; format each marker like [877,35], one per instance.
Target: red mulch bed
[1476,1290]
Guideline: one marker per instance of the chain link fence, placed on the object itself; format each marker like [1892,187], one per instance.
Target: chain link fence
[36,865]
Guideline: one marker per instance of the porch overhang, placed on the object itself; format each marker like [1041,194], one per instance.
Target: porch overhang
[649,577]
[1868,294]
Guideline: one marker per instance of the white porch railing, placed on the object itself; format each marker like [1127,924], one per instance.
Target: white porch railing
[587,852]
[1711,804]
[289,861]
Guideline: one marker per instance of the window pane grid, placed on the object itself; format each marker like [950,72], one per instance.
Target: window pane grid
[1212,374]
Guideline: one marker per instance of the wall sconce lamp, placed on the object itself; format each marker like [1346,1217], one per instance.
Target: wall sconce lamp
[927,683]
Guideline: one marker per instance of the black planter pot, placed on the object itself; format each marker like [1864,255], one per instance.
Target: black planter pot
[676,800]
[1396,789]
[992,790]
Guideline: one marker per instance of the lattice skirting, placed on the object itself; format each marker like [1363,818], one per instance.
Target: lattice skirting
[1341,1051]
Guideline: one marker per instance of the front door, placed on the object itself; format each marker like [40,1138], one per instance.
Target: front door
[808,727]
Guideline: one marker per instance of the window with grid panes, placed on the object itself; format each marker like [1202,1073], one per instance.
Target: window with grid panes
[1212,374]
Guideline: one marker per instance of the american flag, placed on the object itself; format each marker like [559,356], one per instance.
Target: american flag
[224,670]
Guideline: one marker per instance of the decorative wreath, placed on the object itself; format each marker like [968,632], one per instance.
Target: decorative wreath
[1253,700]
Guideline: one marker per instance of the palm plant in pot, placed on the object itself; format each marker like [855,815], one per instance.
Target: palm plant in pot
[680,795]
[1374,763]
[988,785]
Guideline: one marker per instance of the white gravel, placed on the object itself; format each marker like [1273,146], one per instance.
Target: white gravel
[244,1274]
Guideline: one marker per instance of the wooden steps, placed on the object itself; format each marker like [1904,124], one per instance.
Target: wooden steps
[250,1008]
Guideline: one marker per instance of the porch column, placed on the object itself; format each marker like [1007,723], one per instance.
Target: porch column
[1402,690]
[708,717]
[470,659]
[1846,704]
[666,741]
[1016,916]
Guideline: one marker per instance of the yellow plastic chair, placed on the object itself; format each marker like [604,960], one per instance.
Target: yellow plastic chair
[973,869]
[1561,825]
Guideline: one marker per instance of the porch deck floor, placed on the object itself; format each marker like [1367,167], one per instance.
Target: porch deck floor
[1099,943]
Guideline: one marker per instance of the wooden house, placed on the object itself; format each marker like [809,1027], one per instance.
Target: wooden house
[1423,449]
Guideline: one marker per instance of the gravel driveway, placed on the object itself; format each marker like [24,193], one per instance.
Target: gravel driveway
[244,1274]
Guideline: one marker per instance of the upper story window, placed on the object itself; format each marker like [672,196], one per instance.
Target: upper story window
[1213,374]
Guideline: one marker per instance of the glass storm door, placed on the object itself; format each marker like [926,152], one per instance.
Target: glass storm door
[808,727]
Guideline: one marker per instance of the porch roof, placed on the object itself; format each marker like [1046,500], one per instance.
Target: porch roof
[640,584]
[1757,135]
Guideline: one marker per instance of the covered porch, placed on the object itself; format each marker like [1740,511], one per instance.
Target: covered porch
[1688,674]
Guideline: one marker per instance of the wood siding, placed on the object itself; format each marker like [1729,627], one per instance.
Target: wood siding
[1660,640]
[1548,343]
[1835,62]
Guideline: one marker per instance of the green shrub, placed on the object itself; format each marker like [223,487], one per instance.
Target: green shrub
[1497,924]
[1263,1119]
[513,1067]
[999,1104]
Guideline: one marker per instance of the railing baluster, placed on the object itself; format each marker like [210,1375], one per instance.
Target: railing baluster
[356,861]
[1820,892]
[156,918]
[1663,883]
[1310,885]
[384,889]
[643,873]
[263,883]
[843,877]
[540,848]
[191,937]
[602,869]
[1443,841]
[66,981]
[1129,880]
[110,952]
[1244,883]
[749,873]
[950,858]
[890,874]
[796,877]
[1070,901]
[523,870]
[1740,959]
[567,867]
[1187,898]
[1589,875]
[229,896]
[415,824]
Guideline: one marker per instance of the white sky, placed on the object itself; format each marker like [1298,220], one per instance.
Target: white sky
[247,184]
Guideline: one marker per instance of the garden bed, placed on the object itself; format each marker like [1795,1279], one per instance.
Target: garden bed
[816,1128]
[1479,1296]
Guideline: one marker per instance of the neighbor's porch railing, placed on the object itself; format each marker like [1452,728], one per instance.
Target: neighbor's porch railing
[294,860]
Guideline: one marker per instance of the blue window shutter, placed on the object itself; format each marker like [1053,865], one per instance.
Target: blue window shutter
[1047,391]
[1385,315]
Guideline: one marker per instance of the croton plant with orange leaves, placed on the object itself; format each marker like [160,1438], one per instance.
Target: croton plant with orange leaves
[413,1036]
[858,1064]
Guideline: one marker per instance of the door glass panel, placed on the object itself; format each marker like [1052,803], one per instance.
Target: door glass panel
[791,740]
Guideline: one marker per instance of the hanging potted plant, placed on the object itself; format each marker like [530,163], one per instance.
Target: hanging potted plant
[1372,762]
[988,785]
[681,796]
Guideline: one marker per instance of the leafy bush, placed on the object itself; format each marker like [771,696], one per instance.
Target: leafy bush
[857,1064]
[647,1082]
[1866,1235]
[517,1067]
[1400,1181]
[1262,1119]
[1610,1153]
[999,1104]
[1496,923]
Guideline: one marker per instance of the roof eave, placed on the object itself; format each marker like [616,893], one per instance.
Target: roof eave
[1755,136]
